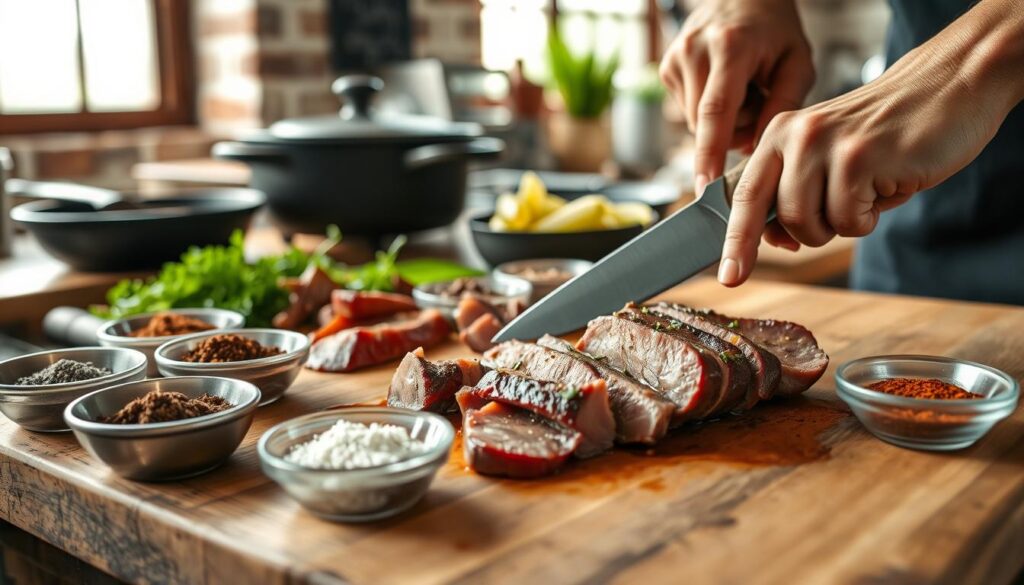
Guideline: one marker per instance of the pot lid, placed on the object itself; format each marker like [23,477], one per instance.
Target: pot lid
[357,122]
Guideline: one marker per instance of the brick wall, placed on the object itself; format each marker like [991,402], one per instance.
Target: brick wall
[448,30]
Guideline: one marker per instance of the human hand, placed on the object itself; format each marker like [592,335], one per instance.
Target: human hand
[723,47]
[832,168]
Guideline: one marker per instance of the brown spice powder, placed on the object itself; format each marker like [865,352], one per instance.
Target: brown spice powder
[160,406]
[229,347]
[170,324]
[922,388]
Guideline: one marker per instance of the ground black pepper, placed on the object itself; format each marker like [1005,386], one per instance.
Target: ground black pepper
[62,372]
[228,347]
[160,406]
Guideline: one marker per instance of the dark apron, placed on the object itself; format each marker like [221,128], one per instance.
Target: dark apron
[963,239]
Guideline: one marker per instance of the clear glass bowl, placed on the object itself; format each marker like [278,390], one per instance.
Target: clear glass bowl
[928,424]
[357,495]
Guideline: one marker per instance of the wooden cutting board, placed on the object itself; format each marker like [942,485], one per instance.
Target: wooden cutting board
[795,493]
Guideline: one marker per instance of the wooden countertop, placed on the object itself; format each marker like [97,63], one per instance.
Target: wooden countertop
[850,509]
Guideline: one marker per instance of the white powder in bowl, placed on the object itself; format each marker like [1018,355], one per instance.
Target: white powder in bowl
[349,445]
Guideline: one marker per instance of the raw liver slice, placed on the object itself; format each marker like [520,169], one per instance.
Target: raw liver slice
[510,442]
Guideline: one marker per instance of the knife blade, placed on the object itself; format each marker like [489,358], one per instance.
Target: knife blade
[675,249]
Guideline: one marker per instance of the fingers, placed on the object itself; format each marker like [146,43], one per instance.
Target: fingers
[751,201]
[851,201]
[790,82]
[777,236]
[695,77]
[800,204]
[716,113]
[670,72]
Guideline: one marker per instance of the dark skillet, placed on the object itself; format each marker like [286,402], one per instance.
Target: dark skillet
[143,235]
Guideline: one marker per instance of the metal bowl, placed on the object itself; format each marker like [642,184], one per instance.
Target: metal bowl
[357,495]
[115,333]
[166,450]
[41,408]
[928,424]
[503,290]
[542,287]
[272,375]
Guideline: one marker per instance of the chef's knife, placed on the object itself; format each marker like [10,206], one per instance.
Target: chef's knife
[675,249]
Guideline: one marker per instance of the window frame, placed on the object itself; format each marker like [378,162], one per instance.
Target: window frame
[177,107]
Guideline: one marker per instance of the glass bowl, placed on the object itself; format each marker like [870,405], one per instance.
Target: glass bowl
[927,424]
[357,495]
[509,288]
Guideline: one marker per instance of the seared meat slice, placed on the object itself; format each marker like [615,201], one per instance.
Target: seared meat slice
[358,347]
[736,375]
[641,414]
[307,294]
[357,304]
[479,320]
[582,407]
[803,362]
[510,442]
[683,372]
[765,366]
[423,385]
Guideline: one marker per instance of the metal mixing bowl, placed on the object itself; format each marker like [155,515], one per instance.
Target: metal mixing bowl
[357,495]
[272,375]
[166,450]
[41,408]
[115,333]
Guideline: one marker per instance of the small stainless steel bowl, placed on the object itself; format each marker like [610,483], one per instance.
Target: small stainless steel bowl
[542,287]
[427,296]
[272,375]
[167,450]
[357,495]
[928,424]
[41,408]
[116,333]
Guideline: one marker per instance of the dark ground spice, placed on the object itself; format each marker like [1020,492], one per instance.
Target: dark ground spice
[228,347]
[62,372]
[164,324]
[922,388]
[159,406]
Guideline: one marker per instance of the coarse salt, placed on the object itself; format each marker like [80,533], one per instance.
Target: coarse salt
[349,445]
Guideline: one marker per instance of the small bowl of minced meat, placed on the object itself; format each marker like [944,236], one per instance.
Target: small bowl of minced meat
[357,464]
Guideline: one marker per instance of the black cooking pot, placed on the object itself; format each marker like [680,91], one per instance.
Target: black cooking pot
[369,173]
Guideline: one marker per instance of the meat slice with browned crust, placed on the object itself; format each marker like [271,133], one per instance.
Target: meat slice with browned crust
[641,414]
[419,384]
[764,365]
[685,373]
[506,441]
[583,407]
[803,361]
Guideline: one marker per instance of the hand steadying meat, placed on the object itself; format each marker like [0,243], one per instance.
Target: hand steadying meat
[832,168]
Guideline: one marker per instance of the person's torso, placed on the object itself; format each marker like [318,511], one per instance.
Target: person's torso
[965,237]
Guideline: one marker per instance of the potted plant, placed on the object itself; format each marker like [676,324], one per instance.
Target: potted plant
[578,135]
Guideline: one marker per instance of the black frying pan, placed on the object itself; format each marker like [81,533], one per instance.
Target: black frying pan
[98,230]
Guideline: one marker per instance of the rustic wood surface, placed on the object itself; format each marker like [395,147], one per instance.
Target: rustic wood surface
[850,510]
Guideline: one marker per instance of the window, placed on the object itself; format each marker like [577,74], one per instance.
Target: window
[93,64]
[518,29]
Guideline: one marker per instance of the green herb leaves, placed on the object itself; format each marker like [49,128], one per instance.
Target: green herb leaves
[570,392]
[585,84]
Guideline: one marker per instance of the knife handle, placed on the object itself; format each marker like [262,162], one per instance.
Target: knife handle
[731,178]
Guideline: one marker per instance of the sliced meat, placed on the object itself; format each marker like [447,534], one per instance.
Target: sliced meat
[582,407]
[311,291]
[471,308]
[336,324]
[510,442]
[641,414]
[477,336]
[736,375]
[419,384]
[358,347]
[803,362]
[764,365]
[683,372]
[358,305]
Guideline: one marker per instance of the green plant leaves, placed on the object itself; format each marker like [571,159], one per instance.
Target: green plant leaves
[584,84]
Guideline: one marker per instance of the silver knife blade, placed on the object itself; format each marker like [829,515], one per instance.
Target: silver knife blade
[675,249]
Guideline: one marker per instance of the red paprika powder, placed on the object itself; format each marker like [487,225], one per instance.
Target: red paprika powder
[922,388]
